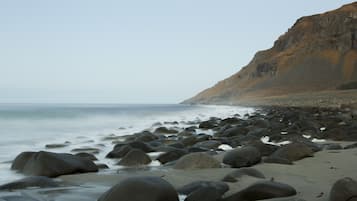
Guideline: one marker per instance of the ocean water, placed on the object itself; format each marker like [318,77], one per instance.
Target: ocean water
[29,127]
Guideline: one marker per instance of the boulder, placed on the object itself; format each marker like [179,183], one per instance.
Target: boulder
[187,189]
[136,145]
[135,157]
[164,130]
[171,155]
[242,157]
[87,156]
[141,189]
[119,152]
[52,164]
[204,194]
[293,152]
[263,190]
[197,161]
[33,181]
[344,190]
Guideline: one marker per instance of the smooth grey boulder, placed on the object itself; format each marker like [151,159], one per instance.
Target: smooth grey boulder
[187,189]
[50,164]
[344,190]
[235,175]
[197,161]
[135,157]
[263,190]
[242,157]
[141,189]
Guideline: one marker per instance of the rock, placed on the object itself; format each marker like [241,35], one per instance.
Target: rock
[87,156]
[119,152]
[263,190]
[333,146]
[87,150]
[235,131]
[233,176]
[189,141]
[164,130]
[344,190]
[208,144]
[264,149]
[197,161]
[242,157]
[293,152]
[351,146]
[171,156]
[141,189]
[55,146]
[146,136]
[135,157]
[177,145]
[51,164]
[204,194]
[210,124]
[187,189]
[136,145]
[34,181]
[197,149]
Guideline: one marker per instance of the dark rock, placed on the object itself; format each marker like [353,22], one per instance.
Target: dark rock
[233,176]
[52,164]
[87,150]
[87,156]
[204,194]
[293,152]
[135,157]
[119,152]
[242,157]
[34,181]
[263,190]
[208,144]
[351,146]
[136,145]
[171,156]
[146,136]
[177,145]
[141,189]
[264,149]
[189,141]
[344,190]
[54,146]
[197,161]
[235,131]
[164,130]
[197,149]
[210,124]
[333,146]
[187,189]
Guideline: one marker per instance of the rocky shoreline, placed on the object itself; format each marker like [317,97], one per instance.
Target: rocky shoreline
[275,153]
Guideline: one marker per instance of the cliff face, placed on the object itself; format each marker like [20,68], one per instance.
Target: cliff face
[318,53]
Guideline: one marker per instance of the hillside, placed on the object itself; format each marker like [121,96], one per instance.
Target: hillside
[317,53]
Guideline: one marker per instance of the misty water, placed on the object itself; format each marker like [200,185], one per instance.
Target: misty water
[29,127]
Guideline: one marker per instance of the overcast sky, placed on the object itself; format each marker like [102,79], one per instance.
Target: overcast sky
[112,51]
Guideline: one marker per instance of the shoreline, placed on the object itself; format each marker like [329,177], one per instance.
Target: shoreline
[311,175]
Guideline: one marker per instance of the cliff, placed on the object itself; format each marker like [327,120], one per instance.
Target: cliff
[317,53]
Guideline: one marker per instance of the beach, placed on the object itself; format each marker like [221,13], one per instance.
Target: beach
[298,152]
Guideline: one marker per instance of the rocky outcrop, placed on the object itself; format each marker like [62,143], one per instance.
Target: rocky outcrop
[318,53]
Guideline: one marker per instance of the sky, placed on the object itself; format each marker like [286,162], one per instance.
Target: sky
[114,51]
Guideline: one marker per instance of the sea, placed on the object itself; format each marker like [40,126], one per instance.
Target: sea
[29,127]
